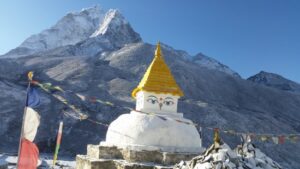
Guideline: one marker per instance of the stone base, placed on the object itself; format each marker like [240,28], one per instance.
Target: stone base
[85,162]
[104,157]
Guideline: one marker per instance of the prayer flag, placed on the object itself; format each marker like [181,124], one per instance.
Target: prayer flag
[29,155]
[281,139]
[31,124]
[275,140]
[33,99]
[28,151]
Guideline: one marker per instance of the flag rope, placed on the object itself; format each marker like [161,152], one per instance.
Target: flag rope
[47,87]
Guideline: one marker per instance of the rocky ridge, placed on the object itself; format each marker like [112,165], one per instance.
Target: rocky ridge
[275,81]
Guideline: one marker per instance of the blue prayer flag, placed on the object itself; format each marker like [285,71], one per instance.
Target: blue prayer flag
[33,98]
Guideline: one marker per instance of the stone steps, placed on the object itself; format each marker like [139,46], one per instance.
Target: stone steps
[140,156]
[110,157]
[85,162]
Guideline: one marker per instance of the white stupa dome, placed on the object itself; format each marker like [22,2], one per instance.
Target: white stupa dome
[145,132]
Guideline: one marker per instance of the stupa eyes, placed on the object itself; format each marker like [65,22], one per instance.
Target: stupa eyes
[152,99]
[168,101]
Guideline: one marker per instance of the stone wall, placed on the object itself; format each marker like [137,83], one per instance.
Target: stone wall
[103,157]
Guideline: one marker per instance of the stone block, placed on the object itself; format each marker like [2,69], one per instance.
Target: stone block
[85,162]
[126,165]
[98,151]
[142,156]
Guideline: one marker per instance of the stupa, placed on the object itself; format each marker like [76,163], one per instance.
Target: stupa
[154,133]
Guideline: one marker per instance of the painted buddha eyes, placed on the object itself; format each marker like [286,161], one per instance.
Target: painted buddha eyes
[168,101]
[152,99]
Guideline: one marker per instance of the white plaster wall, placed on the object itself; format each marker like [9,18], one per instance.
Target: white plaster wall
[144,131]
[142,103]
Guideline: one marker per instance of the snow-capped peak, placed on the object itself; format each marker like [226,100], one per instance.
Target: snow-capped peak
[213,64]
[92,27]
[71,29]
[112,19]
[93,12]
[115,31]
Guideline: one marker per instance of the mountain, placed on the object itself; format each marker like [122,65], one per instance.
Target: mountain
[71,29]
[85,33]
[213,64]
[98,74]
[275,81]
[113,33]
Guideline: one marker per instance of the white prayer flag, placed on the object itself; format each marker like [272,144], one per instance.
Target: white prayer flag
[31,124]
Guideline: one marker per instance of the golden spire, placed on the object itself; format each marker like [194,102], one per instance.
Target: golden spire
[158,50]
[158,78]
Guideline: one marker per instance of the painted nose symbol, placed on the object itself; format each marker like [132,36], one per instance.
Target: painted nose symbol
[160,105]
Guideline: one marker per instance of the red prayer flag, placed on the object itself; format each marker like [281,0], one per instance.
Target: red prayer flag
[29,155]
[93,99]
[281,139]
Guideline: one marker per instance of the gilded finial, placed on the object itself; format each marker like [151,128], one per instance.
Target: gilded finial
[158,50]
[30,75]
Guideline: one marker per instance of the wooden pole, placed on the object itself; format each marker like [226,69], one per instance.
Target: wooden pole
[58,141]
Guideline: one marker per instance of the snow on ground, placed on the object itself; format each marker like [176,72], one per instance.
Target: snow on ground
[46,159]
[246,156]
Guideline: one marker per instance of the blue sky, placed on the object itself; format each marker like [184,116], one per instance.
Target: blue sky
[248,36]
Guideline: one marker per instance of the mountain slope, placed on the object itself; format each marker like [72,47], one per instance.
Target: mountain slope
[275,81]
[211,63]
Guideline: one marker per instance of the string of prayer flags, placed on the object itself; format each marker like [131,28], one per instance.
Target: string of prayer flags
[48,87]
[293,138]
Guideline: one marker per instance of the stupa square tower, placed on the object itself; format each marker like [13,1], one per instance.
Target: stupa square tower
[153,132]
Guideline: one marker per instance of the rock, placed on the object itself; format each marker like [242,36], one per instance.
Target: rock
[225,157]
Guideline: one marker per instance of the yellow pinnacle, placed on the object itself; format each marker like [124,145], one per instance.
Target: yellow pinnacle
[158,50]
[158,78]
